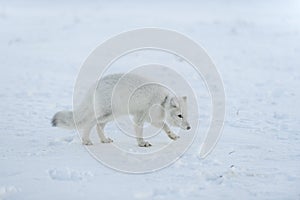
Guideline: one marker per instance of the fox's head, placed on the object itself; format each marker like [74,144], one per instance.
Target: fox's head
[176,112]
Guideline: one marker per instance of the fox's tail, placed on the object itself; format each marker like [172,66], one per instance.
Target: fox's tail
[63,119]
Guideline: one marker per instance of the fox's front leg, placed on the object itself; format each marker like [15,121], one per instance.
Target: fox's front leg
[139,137]
[169,132]
[86,136]
[138,127]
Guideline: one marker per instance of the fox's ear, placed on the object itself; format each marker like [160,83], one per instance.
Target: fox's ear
[174,102]
[184,98]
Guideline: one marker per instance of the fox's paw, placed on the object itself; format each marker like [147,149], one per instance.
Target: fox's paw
[144,144]
[86,142]
[173,136]
[107,140]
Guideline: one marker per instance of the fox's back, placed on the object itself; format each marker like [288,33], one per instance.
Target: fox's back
[127,91]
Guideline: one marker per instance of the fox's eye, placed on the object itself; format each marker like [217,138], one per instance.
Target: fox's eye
[180,116]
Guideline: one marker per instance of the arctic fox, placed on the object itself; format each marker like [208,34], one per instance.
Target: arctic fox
[126,94]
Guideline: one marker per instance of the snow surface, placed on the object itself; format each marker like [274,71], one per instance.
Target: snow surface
[256,47]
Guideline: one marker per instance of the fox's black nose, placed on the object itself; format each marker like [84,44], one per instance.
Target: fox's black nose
[188,128]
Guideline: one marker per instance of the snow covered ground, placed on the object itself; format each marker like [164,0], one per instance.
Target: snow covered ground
[256,47]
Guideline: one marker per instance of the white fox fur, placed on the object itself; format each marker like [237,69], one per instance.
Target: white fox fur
[126,94]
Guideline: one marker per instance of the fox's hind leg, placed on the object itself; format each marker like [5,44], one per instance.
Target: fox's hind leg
[100,131]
